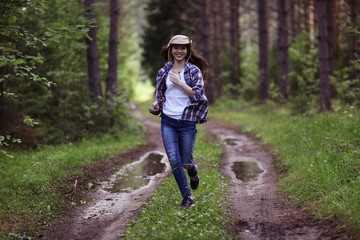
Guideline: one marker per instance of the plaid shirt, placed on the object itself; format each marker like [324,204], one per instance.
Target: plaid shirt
[198,109]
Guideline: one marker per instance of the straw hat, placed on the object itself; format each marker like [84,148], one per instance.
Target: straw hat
[179,39]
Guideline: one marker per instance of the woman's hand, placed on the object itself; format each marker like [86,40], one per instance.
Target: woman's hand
[175,79]
[156,105]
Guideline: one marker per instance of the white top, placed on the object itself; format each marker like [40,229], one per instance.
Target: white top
[176,99]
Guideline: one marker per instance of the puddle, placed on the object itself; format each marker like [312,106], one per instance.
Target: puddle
[246,171]
[231,141]
[136,175]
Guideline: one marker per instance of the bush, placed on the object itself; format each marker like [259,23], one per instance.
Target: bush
[250,74]
[304,73]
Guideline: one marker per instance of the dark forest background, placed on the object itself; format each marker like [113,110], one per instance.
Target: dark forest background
[68,69]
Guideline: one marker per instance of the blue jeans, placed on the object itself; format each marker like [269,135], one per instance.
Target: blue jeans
[179,139]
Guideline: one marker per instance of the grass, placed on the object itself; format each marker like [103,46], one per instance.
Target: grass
[208,219]
[31,183]
[318,155]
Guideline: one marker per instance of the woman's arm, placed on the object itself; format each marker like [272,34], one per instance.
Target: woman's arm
[175,78]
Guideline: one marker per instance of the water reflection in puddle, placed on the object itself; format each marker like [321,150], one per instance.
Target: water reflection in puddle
[137,175]
[231,141]
[246,171]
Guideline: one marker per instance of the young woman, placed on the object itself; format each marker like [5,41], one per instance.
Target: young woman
[181,103]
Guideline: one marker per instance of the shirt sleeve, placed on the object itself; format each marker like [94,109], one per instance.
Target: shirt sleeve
[198,87]
[159,87]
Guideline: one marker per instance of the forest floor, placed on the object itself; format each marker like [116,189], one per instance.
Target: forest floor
[259,210]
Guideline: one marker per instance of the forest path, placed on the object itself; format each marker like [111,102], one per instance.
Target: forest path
[259,210]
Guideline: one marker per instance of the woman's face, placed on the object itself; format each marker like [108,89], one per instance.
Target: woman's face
[179,52]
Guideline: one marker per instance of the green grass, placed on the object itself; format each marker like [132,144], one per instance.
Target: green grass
[31,183]
[319,156]
[208,219]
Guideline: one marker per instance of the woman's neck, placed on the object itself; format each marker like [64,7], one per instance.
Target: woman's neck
[179,64]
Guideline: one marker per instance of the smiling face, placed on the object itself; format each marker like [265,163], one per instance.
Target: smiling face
[179,52]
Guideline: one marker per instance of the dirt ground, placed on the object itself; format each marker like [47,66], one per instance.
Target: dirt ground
[259,209]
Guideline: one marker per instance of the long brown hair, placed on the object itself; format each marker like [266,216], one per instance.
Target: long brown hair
[195,58]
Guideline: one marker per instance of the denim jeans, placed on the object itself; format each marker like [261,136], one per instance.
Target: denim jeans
[179,139]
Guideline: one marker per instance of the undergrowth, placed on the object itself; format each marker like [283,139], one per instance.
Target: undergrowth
[318,154]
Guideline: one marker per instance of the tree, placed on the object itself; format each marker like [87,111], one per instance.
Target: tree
[325,102]
[93,57]
[294,19]
[111,79]
[234,48]
[309,18]
[215,10]
[204,39]
[283,45]
[330,33]
[353,39]
[263,46]
[20,58]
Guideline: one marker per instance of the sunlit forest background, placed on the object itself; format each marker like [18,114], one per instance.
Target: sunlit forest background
[70,68]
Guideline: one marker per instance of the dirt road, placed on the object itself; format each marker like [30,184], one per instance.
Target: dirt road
[259,210]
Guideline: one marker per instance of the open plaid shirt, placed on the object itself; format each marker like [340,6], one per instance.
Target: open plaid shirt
[198,109]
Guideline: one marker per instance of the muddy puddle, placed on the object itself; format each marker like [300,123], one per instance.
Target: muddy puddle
[246,171]
[136,175]
[116,201]
[120,188]
[231,141]
[243,170]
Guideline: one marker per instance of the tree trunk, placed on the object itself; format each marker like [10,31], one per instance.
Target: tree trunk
[2,106]
[111,79]
[353,38]
[337,5]
[263,49]
[308,9]
[92,54]
[312,25]
[293,20]
[283,56]
[204,36]
[330,33]
[234,48]
[218,64]
[325,102]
